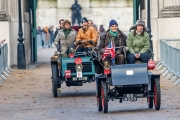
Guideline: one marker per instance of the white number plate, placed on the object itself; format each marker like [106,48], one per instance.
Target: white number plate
[79,74]
[129,97]
[80,78]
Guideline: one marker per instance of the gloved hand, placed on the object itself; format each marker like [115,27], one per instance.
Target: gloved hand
[91,42]
[58,47]
[72,46]
[79,42]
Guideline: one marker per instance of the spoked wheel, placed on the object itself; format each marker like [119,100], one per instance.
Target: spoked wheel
[157,94]
[150,102]
[99,104]
[104,96]
[54,79]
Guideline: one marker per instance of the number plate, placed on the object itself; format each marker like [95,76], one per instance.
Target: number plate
[79,78]
[129,97]
[79,74]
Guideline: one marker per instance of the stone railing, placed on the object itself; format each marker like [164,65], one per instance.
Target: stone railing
[171,3]
[171,8]
[3,16]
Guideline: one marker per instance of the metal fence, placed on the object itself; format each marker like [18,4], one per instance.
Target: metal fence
[169,60]
[4,68]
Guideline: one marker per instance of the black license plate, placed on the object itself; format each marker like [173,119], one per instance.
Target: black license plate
[129,97]
[79,78]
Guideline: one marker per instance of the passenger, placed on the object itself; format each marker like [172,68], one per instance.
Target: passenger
[119,38]
[138,44]
[59,28]
[86,37]
[90,22]
[66,37]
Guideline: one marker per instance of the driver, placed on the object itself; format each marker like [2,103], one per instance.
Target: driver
[86,37]
[119,39]
[66,38]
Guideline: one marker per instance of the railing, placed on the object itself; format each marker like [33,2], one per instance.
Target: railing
[4,68]
[169,60]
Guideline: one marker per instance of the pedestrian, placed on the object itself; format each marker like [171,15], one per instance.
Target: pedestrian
[40,32]
[97,34]
[46,32]
[138,44]
[51,33]
[101,30]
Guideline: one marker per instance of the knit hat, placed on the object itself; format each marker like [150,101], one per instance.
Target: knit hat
[84,19]
[66,21]
[112,22]
[140,22]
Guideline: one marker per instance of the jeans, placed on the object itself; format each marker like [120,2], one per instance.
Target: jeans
[131,59]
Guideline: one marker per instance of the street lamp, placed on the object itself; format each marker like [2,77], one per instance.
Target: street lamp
[21,61]
[149,24]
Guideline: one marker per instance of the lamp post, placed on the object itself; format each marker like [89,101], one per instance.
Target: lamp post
[21,61]
[149,24]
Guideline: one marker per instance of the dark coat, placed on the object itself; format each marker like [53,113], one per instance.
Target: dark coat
[103,41]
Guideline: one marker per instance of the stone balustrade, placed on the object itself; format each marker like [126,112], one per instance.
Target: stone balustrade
[171,3]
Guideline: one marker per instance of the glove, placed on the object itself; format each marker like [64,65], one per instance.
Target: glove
[71,46]
[79,42]
[58,47]
[91,42]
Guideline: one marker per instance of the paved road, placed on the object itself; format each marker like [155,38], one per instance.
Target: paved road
[26,95]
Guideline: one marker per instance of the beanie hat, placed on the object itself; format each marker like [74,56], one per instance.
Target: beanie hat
[140,22]
[66,21]
[84,19]
[112,22]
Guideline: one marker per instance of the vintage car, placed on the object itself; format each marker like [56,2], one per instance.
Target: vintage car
[73,69]
[128,82]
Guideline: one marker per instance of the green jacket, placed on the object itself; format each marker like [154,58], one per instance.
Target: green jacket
[138,43]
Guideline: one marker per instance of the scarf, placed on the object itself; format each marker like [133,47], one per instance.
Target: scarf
[114,33]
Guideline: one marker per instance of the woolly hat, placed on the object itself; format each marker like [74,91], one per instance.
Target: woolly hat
[140,22]
[66,21]
[112,22]
[84,19]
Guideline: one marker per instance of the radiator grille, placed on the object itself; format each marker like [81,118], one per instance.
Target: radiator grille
[87,67]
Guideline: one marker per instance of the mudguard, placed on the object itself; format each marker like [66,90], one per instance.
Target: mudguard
[129,74]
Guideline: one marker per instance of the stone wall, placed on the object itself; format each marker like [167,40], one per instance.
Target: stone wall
[100,11]
[10,29]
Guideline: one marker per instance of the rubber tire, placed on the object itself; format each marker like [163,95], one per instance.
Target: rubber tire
[150,102]
[99,104]
[104,97]
[157,94]
[54,80]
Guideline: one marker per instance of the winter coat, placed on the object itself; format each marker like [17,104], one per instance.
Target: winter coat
[65,42]
[138,43]
[104,41]
[88,34]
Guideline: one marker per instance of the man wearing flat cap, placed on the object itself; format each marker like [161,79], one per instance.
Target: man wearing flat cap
[86,37]
[138,44]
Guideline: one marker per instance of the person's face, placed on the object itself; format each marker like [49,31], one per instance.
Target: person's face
[139,28]
[61,23]
[39,28]
[66,26]
[114,28]
[85,24]
[90,24]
